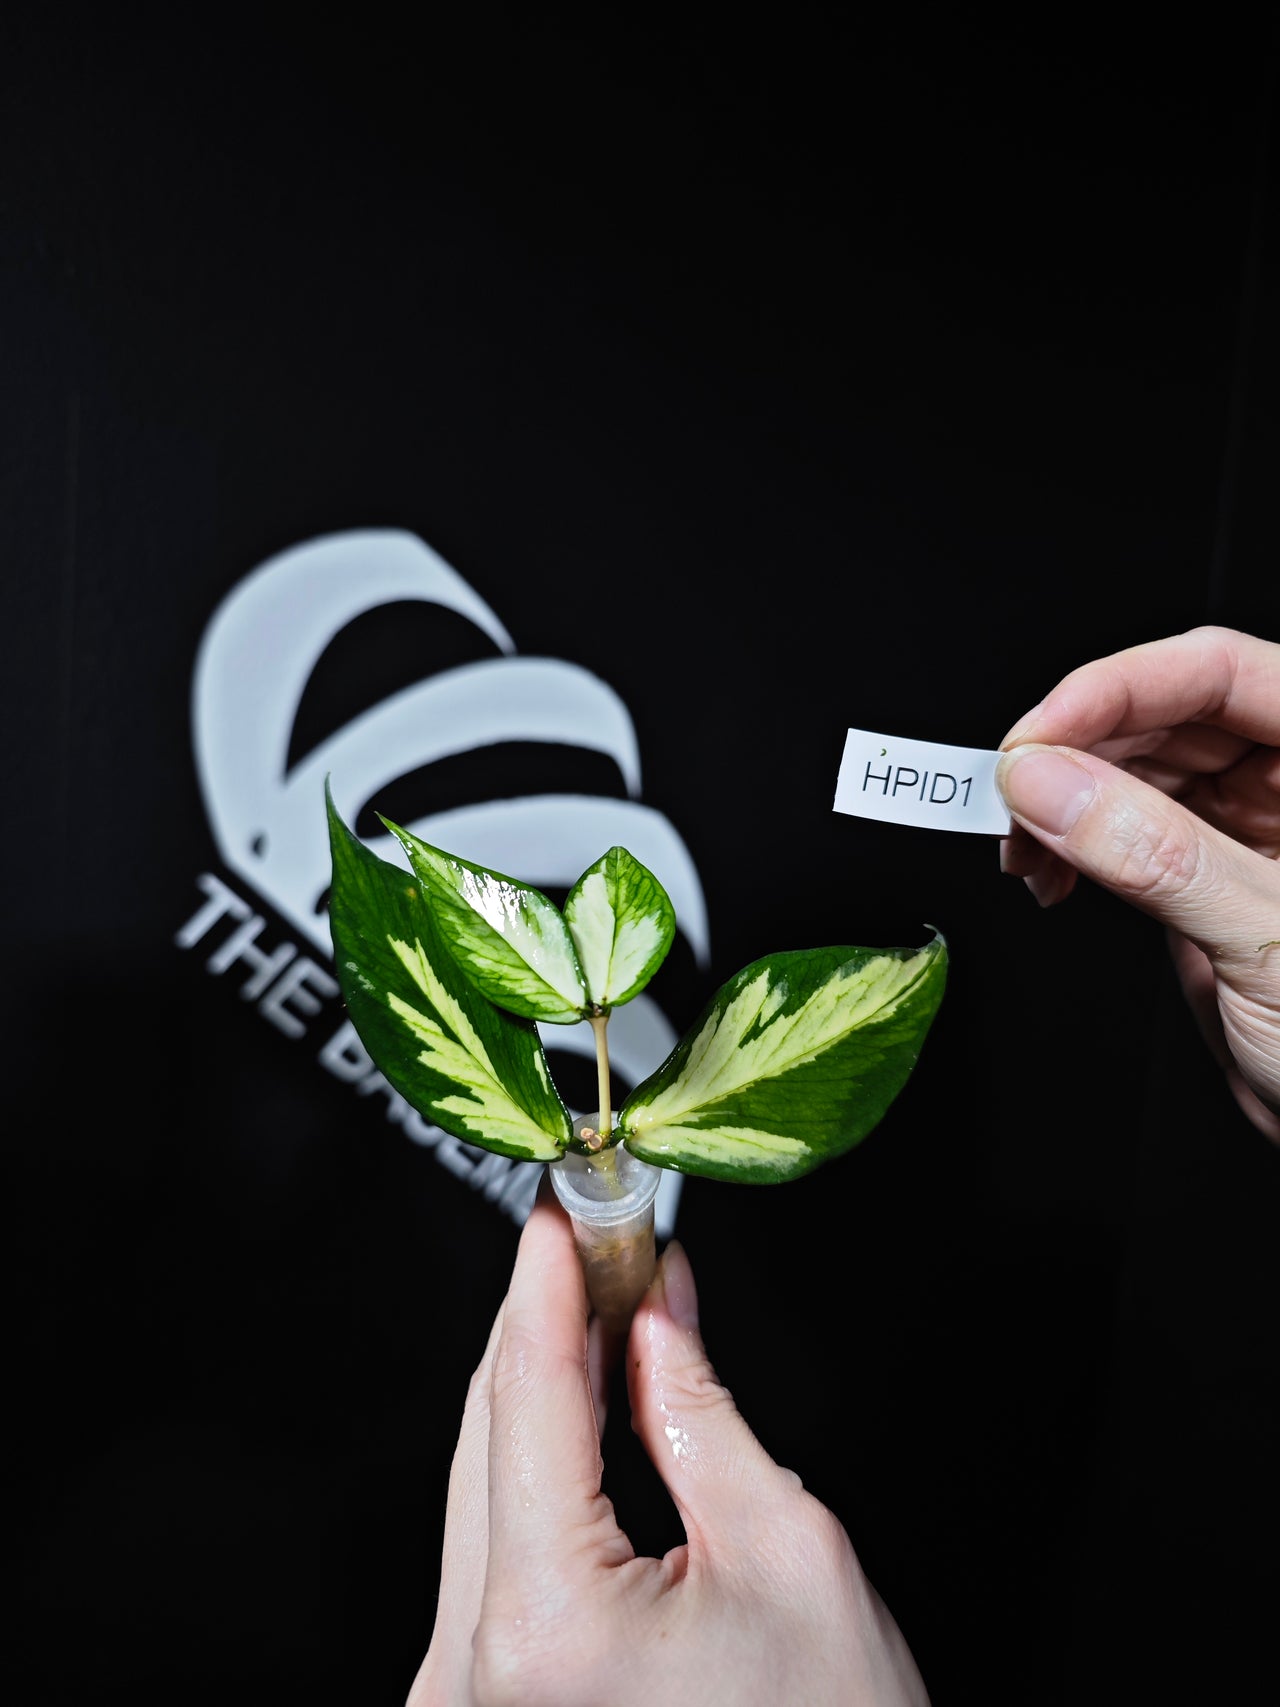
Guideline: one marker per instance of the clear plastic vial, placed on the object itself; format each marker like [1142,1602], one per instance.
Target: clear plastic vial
[609,1198]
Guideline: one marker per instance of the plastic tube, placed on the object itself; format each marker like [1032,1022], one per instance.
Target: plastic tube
[609,1198]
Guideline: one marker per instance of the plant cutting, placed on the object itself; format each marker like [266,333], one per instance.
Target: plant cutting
[448,969]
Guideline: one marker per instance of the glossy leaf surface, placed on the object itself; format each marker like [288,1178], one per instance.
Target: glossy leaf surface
[476,1071]
[792,1062]
[622,924]
[510,939]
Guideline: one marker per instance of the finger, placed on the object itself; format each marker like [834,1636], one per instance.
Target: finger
[1258,1113]
[1045,875]
[550,1528]
[1052,883]
[1149,850]
[1244,801]
[1196,749]
[718,1474]
[1021,854]
[1207,675]
[446,1669]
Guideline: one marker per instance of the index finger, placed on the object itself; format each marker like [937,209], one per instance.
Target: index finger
[1210,675]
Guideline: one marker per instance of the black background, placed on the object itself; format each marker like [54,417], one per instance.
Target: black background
[828,370]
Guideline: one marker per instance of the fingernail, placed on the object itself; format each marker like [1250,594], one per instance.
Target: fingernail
[1049,887]
[678,1291]
[1045,787]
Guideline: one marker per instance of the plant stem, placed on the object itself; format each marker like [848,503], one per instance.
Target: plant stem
[605,1166]
[598,1024]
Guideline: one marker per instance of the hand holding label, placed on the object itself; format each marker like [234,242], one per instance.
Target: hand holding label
[925,783]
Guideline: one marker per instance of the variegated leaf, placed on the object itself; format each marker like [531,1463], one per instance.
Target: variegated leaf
[792,1062]
[622,924]
[509,938]
[476,1071]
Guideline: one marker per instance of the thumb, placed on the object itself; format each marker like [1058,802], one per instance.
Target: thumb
[721,1479]
[1152,852]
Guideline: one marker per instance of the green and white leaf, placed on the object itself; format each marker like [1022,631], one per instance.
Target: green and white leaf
[511,941]
[476,1071]
[792,1062]
[622,923]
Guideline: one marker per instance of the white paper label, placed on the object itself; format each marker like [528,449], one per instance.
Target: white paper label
[925,783]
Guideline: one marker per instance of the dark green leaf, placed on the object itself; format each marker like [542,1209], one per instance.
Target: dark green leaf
[792,1062]
[511,940]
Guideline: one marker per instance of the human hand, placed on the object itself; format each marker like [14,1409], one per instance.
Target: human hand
[1156,772]
[542,1596]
